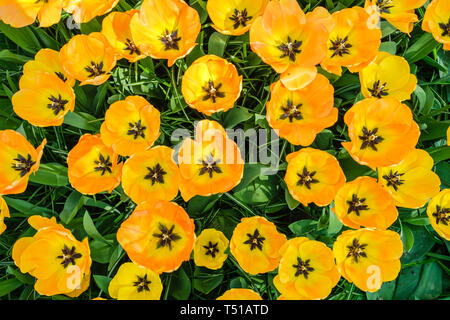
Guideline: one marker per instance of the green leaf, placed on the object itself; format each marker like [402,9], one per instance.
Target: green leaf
[407,238]
[422,47]
[180,286]
[423,242]
[406,282]
[417,221]
[8,56]
[291,202]
[205,280]
[73,203]
[82,120]
[235,116]
[430,285]
[6,286]
[217,43]
[199,204]
[389,46]
[334,225]
[51,174]
[102,282]
[386,292]
[302,227]
[23,37]
[26,208]
[91,230]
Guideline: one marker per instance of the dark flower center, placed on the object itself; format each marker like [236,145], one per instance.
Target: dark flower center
[356,250]
[255,240]
[142,283]
[240,18]
[442,215]
[378,90]
[170,40]
[303,268]
[103,164]
[356,205]
[22,164]
[306,178]
[57,105]
[68,256]
[384,6]
[370,139]
[393,179]
[61,76]
[166,237]
[136,129]
[290,49]
[340,46]
[156,174]
[95,69]
[291,111]
[445,28]
[211,249]
[131,46]
[210,166]
[212,92]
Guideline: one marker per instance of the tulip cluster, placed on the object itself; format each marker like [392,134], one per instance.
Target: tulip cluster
[306,50]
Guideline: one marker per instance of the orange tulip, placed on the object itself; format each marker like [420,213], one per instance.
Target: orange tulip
[18,160]
[301,114]
[438,212]
[211,84]
[239,294]
[363,202]
[306,271]
[60,263]
[86,10]
[45,61]
[353,42]
[158,235]
[43,100]
[387,76]
[151,174]
[313,176]
[234,17]
[93,167]
[165,29]
[4,213]
[399,13]
[211,163]
[88,58]
[291,42]
[130,125]
[437,21]
[382,132]
[368,257]
[21,13]
[411,182]
[116,29]
[255,244]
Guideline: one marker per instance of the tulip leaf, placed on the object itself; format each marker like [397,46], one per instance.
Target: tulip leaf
[73,203]
[102,282]
[9,285]
[206,280]
[422,47]
[217,43]
[91,230]
[51,174]
[302,227]
[386,292]
[23,37]
[291,202]
[180,285]
[430,285]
